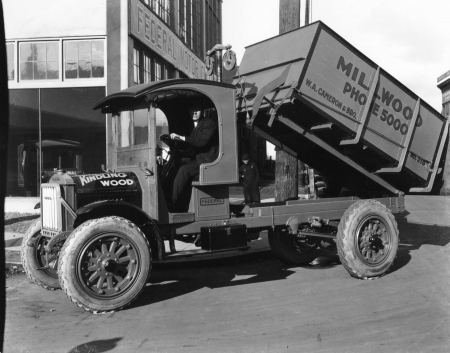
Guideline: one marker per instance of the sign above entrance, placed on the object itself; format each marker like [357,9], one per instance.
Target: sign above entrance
[150,30]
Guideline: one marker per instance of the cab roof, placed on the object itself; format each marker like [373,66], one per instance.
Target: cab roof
[135,95]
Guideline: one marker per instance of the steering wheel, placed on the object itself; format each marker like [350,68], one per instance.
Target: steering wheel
[168,141]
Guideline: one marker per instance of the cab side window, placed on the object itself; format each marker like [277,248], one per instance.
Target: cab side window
[140,126]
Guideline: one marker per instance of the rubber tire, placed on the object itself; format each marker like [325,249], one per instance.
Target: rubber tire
[283,247]
[79,239]
[47,279]
[349,252]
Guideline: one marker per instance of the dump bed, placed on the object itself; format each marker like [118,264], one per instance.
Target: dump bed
[314,95]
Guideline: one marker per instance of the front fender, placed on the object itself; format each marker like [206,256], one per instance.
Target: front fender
[128,211]
[111,208]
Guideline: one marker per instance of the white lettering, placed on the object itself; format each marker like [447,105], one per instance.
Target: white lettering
[86,179]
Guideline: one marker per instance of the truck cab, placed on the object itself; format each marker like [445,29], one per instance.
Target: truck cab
[142,118]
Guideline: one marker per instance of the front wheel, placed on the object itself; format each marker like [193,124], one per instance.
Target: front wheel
[34,258]
[104,264]
[367,239]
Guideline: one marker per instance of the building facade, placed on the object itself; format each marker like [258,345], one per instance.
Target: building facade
[65,56]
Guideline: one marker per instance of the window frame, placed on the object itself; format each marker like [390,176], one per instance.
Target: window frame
[167,70]
[19,61]
[64,51]
[163,9]
[61,82]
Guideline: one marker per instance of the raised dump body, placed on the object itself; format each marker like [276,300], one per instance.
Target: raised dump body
[316,96]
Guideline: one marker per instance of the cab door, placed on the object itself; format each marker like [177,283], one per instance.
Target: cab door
[134,149]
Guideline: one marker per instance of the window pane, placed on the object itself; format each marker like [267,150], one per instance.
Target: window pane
[26,52]
[84,50]
[124,129]
[71,69]
[71,50]
[52,52]
[140,122]
[98,69]
[52,70]
[26,71]
[84,68]
[98,51]
[39,70]
[39,52]
[157,72]
[10,59]
[162,125]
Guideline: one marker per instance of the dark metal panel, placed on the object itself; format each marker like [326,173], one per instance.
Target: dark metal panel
[333,210]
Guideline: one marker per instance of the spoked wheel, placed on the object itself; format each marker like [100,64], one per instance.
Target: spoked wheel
[293,249]
[104,264]
[33,254]
[367,239]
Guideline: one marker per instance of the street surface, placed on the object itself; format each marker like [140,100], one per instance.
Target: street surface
[254,303]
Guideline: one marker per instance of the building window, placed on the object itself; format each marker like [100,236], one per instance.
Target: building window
[150,68]
[136,66]
[84,59]
[39,60]
[182,19]
[197,29]
[147,69]
[213,23]
[11,60]
[191,24]
[158,71]
[163,8]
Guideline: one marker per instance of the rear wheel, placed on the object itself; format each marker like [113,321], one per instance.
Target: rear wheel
[104,264]
[293,249]
[367,239]
[33,254]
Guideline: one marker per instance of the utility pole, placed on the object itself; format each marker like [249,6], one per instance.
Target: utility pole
[290,174]
[444,178]
[445,189]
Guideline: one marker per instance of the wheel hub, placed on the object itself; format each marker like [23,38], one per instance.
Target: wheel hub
[109,265]
[372,246]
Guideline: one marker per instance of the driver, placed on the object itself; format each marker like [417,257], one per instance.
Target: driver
[204,142]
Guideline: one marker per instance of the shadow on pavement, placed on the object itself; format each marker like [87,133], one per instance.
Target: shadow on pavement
[97,346]
[175,282]
[414,235]
[171,282]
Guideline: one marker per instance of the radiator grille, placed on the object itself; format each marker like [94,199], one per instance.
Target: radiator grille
[51,207]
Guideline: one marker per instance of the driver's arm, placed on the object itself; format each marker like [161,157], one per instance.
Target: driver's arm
[175,136]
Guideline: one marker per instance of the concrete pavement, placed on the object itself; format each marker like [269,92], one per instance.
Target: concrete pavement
[262,305]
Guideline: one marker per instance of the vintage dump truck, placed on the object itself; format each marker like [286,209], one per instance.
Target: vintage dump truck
[310,93]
